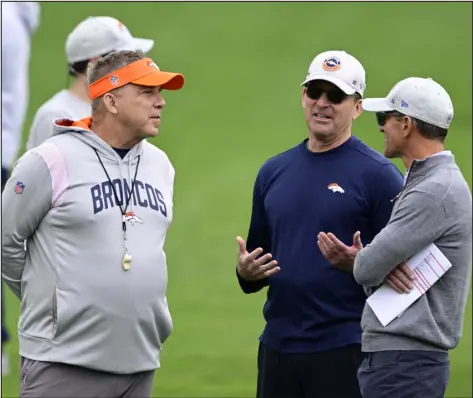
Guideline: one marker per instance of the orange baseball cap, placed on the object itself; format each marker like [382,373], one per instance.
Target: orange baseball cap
[143,72]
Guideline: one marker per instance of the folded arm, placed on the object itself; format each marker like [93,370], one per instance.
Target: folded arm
[418,221]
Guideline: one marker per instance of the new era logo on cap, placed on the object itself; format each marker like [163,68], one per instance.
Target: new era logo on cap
[404,104]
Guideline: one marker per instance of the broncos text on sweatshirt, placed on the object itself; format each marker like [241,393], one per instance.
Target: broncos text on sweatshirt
[79,305]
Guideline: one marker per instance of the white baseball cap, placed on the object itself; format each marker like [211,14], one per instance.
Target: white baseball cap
[339,68]
[418,97]
[96,36]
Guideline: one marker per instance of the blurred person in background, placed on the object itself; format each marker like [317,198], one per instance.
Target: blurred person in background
[94,202]
[90,39]
[411,353]
[311,344]
[20,20]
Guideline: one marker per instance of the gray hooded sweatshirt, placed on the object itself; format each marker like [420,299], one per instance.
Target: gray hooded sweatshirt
[79,305]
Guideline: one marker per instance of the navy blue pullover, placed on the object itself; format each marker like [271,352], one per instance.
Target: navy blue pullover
[311,306]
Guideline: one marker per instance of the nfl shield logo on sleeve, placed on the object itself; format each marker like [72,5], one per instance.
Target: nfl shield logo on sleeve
[19,187]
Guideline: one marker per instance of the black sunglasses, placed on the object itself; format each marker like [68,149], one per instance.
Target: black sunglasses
[382,117]
[314,91]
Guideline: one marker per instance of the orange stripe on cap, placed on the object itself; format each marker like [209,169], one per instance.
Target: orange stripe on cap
[143,72]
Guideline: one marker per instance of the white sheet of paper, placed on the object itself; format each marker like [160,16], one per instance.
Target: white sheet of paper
[429,265]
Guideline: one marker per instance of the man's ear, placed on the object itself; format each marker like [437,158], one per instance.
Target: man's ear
[109,101]
[304,97]
[358,109]
[408,126]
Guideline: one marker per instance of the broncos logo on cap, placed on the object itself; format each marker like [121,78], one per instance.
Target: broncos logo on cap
[331,64]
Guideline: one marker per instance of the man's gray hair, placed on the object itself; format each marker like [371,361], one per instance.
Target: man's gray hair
[109,63]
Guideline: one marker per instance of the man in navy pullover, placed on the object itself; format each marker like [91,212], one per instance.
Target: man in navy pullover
[311,344]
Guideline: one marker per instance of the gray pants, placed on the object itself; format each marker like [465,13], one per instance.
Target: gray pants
[404,374]
[46,379]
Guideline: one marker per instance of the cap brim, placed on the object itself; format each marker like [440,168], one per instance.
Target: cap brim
[334,80]
[144,45]
[166,80]
[376,105]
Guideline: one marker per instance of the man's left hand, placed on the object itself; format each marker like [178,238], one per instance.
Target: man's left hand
[340,255]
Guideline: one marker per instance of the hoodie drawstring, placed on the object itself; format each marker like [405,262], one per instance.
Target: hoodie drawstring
[129,178]
[126,256]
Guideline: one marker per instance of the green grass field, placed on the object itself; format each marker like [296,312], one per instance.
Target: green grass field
[243,65]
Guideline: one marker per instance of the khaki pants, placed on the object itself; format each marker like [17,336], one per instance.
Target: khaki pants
[54,380]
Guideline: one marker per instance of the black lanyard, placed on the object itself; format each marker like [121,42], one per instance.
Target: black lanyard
[127,201]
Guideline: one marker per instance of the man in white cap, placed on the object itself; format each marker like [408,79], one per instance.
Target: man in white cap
[90,39]
[331,181]
[410,354]
[20,20]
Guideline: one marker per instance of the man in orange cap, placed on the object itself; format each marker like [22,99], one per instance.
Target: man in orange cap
[92,38]
[94,203]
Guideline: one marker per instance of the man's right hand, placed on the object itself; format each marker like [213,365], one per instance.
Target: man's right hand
[252,269]
[401,279]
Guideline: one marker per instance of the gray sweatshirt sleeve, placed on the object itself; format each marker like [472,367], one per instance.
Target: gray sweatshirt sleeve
[417,222]
[26,200]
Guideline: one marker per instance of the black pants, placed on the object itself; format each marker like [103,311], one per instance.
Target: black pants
[329,374]
[404,374]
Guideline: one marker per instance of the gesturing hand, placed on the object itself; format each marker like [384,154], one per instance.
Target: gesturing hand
[252,269]
[337,253]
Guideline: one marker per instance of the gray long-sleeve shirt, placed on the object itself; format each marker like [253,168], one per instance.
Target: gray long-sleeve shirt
[434,206]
